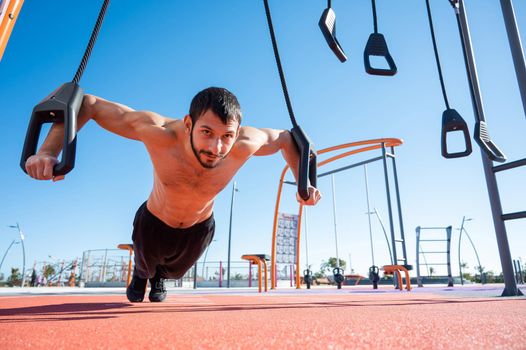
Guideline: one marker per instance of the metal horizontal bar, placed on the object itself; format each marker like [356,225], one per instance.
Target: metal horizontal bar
[350,166]
[399,240]
[390,155]
[513,216]
[290,183]
[435,264]
[434,240]
[509,165]
[433,228]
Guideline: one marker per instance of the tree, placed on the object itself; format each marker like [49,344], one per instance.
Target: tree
[431,271]
[49,271]
[15,279]
[328,266]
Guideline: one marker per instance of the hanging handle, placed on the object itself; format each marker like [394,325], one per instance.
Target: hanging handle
[327,25]
[377,46]
[307,172]
[61,106]
[486,144]
[451,122]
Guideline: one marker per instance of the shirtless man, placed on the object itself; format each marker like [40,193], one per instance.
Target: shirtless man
[193,160]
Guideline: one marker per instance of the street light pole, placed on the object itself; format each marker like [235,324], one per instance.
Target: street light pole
[5,254]
[460,240]
[23,252]
[234,190]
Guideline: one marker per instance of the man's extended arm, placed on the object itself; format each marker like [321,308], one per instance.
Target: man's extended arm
[112,116]
[271,141]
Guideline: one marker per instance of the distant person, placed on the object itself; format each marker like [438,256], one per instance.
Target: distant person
[193,158]
[33,278]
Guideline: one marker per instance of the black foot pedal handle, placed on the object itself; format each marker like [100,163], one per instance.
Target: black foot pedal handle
[327,25]
[451,122]
[377,46]
[488,146]
[308,163]
[62,106]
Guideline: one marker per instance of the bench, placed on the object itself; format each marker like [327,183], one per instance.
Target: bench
[258,259]
[397,271]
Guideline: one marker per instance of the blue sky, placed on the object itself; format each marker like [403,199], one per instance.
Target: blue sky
[157,56]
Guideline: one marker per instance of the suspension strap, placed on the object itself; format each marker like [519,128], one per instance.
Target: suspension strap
[451,120]
[307,162]
[377,46]
[91,43]
[278,63]
[61,106]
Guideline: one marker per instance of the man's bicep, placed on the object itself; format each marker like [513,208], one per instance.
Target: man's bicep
[271,141]
[150,126]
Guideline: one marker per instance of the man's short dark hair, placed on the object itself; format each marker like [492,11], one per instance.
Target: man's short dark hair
[220,101]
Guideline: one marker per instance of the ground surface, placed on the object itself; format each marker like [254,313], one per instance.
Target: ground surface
[469,317]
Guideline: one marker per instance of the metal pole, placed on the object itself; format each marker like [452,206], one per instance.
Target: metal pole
[306,242]
[5,254]
[418,277]
[23,252]
[389,208]
[476,253]
[449,230]
[334,216]
[234,190]
[399,206]
[510,285]
[369,212]
[459,240]
[517,52]
[385,235]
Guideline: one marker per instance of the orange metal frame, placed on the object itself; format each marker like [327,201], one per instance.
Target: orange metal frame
[257,260]
[10,10]
[361,146]
[396,271]
[129,248]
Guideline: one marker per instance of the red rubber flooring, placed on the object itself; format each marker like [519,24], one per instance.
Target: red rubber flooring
[272,321]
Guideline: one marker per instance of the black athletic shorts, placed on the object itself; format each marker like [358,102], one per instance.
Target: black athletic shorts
[170,251]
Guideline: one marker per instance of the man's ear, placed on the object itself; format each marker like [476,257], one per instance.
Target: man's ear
[187,120]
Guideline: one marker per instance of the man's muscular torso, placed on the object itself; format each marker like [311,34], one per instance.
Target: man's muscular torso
[184,191]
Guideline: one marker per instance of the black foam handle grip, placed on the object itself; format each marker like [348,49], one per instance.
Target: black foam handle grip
[62,106]
[453,121]
[308,164]
[377,46]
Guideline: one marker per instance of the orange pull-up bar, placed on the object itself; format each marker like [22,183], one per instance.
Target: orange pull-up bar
[9,10]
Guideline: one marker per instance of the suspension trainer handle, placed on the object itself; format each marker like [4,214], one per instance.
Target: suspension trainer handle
[61,106]
[307,172]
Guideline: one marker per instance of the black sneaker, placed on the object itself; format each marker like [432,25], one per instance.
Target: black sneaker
[157,289]
[136,289]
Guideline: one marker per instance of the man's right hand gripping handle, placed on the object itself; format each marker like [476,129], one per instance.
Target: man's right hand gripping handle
[40,167]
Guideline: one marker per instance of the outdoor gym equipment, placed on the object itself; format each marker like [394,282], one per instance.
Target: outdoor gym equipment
[451,120]
[447,251]
[327,25]
[374,275]
[338,276]
[307,166]
[62,105]
[387,147]
[377,46]
[9,11]
[307,277]
[482,136]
